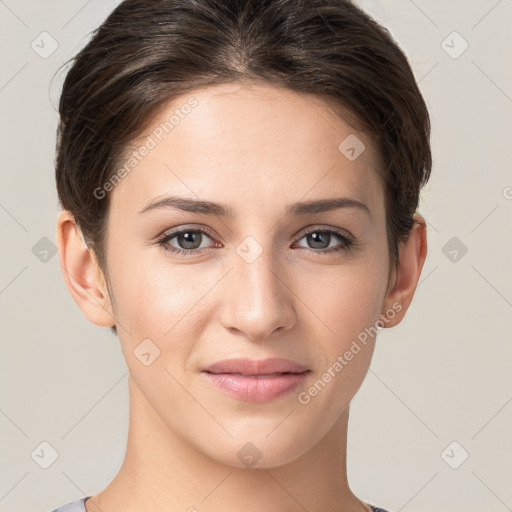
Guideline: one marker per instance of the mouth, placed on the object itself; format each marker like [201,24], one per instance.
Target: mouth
[256,381]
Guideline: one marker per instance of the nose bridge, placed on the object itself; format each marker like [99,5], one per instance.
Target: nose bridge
[258,301]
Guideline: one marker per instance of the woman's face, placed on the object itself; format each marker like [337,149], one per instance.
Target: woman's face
[262,282]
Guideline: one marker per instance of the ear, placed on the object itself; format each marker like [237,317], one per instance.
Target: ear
[82,274]
[404,278]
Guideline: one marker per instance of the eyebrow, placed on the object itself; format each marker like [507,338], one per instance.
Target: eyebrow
[220,210]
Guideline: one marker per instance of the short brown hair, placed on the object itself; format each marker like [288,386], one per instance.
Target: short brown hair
[148,52]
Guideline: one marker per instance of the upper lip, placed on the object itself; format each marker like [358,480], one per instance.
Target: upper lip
[246,366]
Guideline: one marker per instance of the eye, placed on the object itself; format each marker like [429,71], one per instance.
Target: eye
[190,240]
[321,239]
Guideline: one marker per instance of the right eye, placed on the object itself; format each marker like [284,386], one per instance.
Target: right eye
[189,238]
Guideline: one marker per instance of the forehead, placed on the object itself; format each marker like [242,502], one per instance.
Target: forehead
[257,143]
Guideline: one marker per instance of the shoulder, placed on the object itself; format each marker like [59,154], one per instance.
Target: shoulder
[74,506]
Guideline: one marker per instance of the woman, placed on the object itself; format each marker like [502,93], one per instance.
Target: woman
[239,182]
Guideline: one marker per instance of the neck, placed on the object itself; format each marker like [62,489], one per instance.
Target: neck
[161,470]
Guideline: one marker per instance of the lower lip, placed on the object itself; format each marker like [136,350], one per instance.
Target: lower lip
[256,389]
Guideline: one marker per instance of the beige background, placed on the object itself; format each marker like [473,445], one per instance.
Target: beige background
[442,376]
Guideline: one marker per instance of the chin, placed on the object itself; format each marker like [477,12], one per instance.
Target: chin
[261,451]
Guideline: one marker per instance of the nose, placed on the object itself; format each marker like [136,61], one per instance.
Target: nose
[257,300]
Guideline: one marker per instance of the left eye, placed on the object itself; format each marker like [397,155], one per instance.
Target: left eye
[323,236]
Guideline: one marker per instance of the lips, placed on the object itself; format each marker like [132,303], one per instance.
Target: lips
[256,380]
[254,368]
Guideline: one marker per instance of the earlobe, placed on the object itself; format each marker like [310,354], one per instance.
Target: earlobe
[81,273]
[405,278]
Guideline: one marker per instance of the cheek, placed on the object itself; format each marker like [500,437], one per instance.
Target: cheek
[157,298]
[345,300]
[148,296]
[348,306]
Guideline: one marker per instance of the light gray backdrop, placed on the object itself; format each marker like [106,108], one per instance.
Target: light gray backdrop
[430,427]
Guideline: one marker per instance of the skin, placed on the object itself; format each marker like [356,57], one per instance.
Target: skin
[254,148]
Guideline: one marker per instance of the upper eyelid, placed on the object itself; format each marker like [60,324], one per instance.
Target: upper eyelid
[177,231]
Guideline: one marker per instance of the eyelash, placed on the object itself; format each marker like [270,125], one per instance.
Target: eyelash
[346,245]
